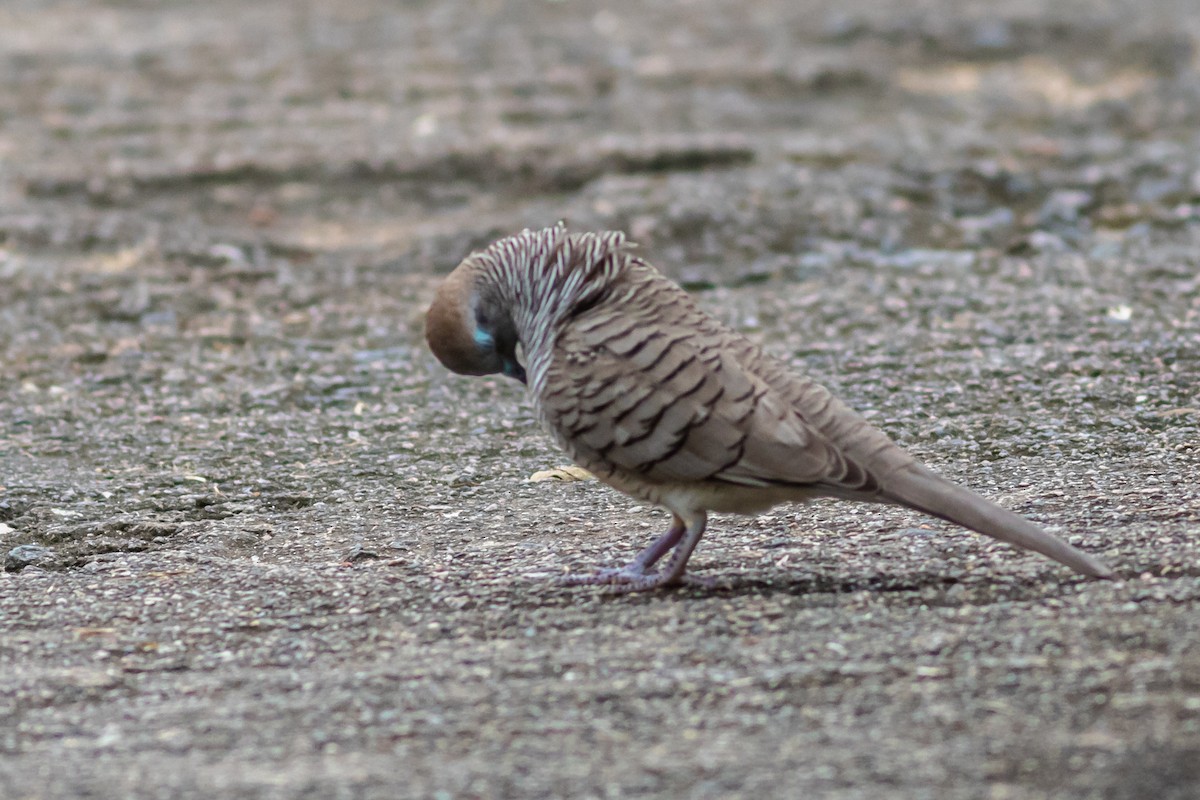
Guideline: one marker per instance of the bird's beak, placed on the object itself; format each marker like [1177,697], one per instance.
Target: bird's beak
[513,369]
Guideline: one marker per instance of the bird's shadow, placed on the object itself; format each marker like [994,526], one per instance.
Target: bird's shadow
[929,589]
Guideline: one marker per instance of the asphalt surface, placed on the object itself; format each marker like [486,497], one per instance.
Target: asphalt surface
[259,544]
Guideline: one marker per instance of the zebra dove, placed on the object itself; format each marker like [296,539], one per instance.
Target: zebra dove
[664,403]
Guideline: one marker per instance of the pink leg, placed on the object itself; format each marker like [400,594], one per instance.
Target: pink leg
[639,575]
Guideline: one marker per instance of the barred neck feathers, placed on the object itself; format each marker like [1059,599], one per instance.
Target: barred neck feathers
[543,276]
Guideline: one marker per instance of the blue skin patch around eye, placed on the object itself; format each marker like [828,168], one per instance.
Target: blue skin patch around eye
[512,368]
[484,339]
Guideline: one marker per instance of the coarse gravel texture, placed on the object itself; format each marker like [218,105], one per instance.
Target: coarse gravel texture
[259,544]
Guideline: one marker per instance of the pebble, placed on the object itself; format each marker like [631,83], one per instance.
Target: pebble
[24,555]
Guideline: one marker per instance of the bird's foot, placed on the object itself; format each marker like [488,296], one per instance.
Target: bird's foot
[640,575]
[633,578]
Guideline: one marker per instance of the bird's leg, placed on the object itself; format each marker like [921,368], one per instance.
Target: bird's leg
[673,571]
[639,567]
[638,575]
[658,548]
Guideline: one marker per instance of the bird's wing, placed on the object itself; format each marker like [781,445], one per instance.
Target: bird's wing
[653,386]
[679,400]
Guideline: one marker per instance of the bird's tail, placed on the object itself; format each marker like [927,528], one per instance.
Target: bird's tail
[924,490]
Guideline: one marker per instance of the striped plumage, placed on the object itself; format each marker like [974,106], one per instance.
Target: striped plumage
[662,402]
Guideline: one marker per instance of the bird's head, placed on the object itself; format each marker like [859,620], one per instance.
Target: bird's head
[469,327]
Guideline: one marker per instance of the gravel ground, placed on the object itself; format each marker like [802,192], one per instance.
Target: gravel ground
[258,544]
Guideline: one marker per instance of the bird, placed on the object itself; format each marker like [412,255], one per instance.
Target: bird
[661,401]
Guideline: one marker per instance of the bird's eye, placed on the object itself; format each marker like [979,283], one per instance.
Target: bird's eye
[481,316]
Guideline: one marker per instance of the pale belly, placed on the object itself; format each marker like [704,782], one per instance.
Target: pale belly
[720,497]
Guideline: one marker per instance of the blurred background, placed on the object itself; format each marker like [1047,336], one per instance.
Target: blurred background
[230,470]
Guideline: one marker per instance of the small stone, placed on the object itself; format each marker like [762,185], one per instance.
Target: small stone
[1045,242]
[358,553]
[1064,206]
[995,35]
[24,555]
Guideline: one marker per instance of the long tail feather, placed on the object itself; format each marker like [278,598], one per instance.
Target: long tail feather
[919,488]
